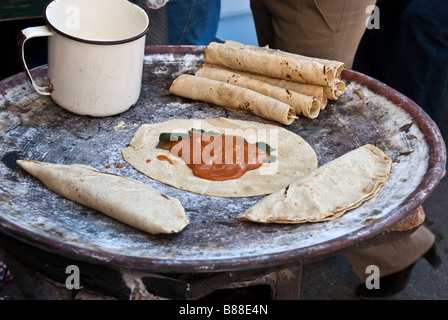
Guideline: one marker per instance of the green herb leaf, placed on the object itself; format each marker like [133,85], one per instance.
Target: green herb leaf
[167,137]
[210,133]
[266,148]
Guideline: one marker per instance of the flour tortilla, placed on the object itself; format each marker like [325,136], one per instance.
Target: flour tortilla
[232,97]
[129,201]
[272,63]
[308,89]
[304,105]
[295,157]
[335,90]
[326,193]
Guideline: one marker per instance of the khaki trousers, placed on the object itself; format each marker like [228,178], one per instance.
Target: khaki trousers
[329,29]
[392,256]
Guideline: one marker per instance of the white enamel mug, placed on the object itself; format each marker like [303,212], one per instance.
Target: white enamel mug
[95,54]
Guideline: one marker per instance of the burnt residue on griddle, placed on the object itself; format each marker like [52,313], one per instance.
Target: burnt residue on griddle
[406,127]
[10,159]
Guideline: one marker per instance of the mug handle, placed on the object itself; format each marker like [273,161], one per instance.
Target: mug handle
[22,37]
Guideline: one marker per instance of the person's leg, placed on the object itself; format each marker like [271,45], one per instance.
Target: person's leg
[373,56]
[263,23]
[410,51]
[395,261]
[419,64]
[392,256]
[316,28]
[193,22]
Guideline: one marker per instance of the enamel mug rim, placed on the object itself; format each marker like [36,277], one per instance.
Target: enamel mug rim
[57,29]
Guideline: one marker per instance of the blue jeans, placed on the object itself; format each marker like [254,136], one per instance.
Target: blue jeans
[192,22]
[410,51]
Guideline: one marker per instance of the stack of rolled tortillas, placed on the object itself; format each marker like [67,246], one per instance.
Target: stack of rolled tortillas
[269,83]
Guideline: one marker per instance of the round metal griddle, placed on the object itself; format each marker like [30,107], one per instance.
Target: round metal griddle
[34,127]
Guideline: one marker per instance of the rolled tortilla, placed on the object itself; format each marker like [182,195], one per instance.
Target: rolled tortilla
[335,90]
[302,104]
[232,97]
[335,66]
[308,89]
[272,63]
[328,192]
[129,201]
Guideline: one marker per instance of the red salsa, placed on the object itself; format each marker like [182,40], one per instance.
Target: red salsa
[216,157]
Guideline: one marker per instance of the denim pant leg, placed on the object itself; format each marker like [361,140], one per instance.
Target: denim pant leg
[410,51]
[420,65]
[376,49]
[192,22]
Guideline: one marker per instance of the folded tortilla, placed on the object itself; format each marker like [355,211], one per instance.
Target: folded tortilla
[294,157]
[127,200]
[328,192]
[304,105]
[273,63]
[232,97]
[335,90]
